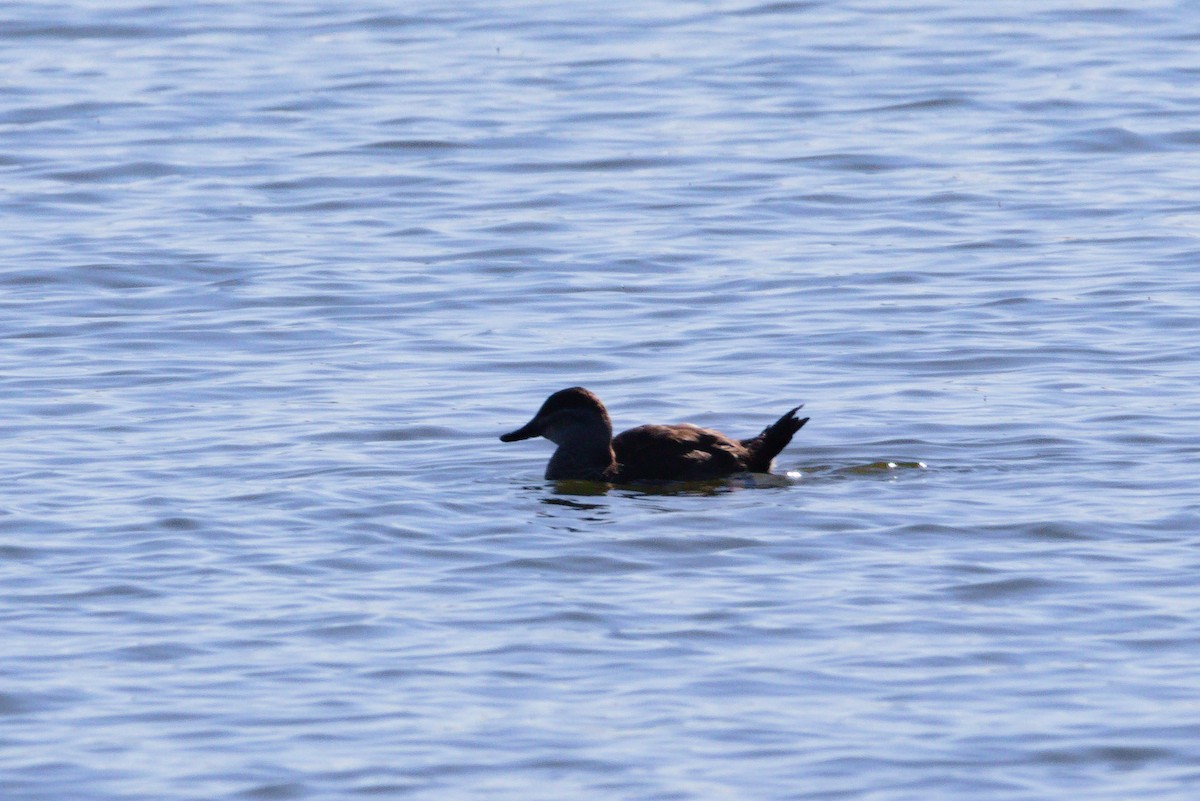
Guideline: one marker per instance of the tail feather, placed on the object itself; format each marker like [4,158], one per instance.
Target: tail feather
[774,438]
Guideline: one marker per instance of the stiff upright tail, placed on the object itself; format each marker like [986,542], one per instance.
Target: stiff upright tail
[774,438]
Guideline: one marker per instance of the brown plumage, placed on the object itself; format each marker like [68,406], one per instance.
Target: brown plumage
[576,421]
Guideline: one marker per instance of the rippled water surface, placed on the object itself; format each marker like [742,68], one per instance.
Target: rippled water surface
[274,276]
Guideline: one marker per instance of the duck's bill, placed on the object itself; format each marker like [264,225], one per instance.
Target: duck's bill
[526,431]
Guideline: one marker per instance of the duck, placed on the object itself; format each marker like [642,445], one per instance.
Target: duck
[576,421]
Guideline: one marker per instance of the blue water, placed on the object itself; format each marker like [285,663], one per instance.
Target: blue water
[275,276]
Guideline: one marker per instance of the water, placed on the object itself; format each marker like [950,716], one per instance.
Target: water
[275,276]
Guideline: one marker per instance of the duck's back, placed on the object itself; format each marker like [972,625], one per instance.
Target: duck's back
[677,453]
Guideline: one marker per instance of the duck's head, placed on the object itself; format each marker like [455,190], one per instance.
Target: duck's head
[568,414]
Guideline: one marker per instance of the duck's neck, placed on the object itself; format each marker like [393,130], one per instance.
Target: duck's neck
[583,453]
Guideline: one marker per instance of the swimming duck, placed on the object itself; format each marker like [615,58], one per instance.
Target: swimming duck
[576,421]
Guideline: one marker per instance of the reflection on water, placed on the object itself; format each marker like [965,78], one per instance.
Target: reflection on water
[735,483]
